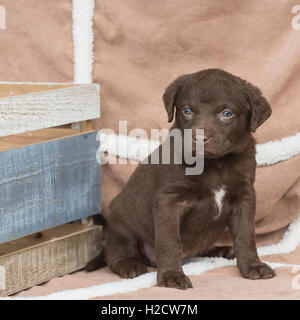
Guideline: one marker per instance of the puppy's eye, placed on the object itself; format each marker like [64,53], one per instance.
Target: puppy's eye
[227,114]
[187,110]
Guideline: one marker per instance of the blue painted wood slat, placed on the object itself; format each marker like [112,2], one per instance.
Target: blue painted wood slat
[48,184]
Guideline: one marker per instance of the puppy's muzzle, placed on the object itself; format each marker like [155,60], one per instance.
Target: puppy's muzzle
[202,139]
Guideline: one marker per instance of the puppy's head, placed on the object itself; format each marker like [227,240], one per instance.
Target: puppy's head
[225,106]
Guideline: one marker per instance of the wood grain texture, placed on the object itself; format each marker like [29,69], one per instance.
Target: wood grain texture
[32,137]
[8,89]
[50,108]
[30,261]
[48,184]
[86,125]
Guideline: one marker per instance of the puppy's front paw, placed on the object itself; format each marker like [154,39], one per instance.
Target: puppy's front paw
[257,270]
[174,279]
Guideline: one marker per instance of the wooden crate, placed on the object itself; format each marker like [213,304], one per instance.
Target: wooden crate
[33,260]
[49,176]
[28,107]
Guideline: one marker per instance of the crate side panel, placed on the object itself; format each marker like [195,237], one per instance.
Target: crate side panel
[48,184]
[57,257]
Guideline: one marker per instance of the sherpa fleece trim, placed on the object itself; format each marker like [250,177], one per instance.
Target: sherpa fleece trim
[83,40]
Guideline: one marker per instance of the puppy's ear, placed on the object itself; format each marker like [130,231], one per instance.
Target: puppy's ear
[169,96]
[260,109]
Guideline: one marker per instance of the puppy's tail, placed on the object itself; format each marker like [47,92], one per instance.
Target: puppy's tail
[99,261]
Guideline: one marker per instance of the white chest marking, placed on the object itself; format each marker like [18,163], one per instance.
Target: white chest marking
[219,195]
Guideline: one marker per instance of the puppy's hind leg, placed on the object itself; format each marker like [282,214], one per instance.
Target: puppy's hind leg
[97,263]
[122,253]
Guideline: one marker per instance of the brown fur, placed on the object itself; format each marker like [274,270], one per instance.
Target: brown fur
[173,214]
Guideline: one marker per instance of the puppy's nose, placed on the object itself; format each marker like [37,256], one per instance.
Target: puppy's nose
[199,138]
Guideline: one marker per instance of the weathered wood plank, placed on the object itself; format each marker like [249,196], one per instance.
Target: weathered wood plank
[32,137]
[30,261]
[48,184]
[8,89]
[49,108]
[86,125]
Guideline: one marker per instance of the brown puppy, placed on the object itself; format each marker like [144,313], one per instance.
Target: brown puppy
[163,215]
